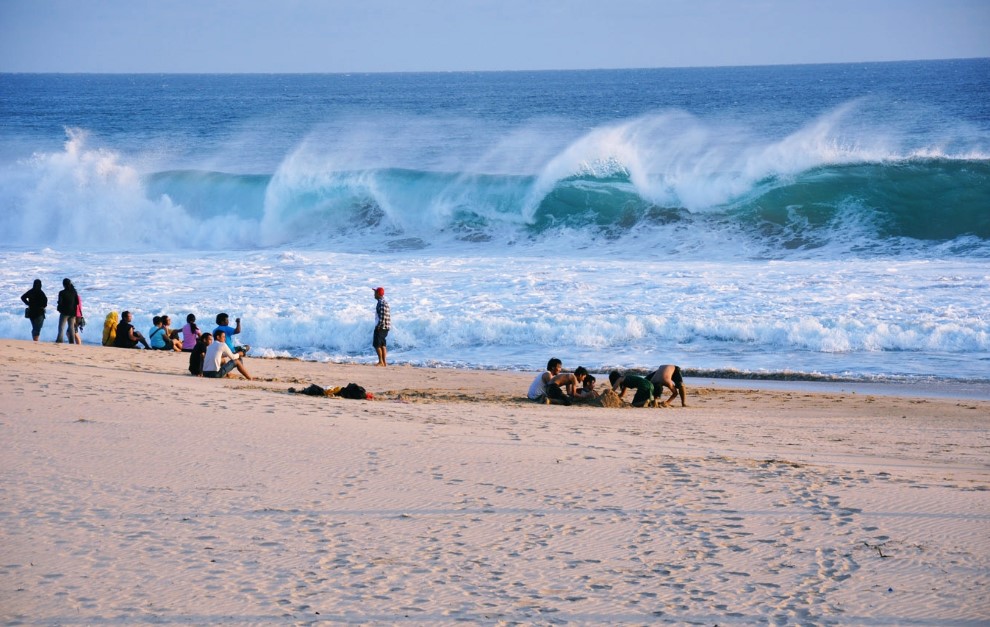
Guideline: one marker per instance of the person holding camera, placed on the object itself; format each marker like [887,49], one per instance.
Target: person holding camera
[223,324]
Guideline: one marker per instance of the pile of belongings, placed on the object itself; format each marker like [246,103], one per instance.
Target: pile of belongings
[351,390]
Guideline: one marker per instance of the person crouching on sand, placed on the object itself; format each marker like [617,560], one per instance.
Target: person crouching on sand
[669,376]
[644,388]
[220,360]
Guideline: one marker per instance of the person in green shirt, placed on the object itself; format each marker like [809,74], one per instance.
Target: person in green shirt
[644,388]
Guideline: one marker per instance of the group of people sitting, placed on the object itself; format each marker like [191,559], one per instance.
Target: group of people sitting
[211,355]
[554,386]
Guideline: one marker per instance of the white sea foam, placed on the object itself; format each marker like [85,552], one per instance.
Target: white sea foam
[835,234]
[898,318]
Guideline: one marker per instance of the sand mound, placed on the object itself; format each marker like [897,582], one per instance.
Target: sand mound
[610,399]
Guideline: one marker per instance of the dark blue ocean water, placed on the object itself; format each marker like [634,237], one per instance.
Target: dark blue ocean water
[846,206]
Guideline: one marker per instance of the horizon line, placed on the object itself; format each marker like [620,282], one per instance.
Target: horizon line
[466,71]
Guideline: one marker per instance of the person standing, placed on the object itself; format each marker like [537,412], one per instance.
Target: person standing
[80,320]
[383,322]
[68,305]
[36,302]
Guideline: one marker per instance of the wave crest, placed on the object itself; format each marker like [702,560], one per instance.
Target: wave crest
[667,182]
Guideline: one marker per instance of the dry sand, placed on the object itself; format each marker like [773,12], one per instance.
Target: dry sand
[133,493]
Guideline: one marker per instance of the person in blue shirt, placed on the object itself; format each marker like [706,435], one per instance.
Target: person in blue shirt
[223,324]
[156,335]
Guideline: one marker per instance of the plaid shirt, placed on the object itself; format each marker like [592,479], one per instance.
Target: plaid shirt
[384,318]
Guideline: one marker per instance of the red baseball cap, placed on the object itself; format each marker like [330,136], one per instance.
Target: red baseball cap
[379,291]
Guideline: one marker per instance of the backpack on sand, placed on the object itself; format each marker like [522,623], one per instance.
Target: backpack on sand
[353,390]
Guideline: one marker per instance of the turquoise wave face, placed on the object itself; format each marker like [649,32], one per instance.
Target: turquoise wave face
[924,200]
[928,200]
[211,194]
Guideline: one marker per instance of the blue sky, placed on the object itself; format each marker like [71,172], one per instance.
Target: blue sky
[451,35]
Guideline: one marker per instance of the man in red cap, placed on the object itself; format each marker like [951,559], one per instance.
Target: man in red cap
[383,321]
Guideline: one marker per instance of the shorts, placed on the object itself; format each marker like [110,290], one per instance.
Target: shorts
[225,369]
[378,341]
[643,394]
[677,378]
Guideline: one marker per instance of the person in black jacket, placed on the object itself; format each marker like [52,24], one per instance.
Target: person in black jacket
[68,303]
[36,302]
[198,354]
[127,335]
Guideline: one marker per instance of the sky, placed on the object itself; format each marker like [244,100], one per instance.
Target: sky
[477,35]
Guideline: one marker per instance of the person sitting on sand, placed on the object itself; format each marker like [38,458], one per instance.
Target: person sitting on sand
[172,341]
[542,390]
[190,334]
[127,335]
[669,376]
[587,391]
[223,324]
[156,335]
[546,386]
[110,328]
[622,382]
[219,360]
[198,354]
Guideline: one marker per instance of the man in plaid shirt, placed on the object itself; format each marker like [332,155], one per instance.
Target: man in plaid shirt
[383,321]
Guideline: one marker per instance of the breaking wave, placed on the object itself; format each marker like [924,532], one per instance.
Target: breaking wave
[661,183]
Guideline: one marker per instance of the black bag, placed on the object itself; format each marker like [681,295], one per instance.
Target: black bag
[353,390]
[27,312]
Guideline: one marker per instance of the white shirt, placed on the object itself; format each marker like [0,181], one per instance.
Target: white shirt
[539,387]
[215,353]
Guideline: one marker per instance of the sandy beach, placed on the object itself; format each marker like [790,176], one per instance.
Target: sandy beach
[133,493]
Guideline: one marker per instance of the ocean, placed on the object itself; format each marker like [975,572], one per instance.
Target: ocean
[813,222]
